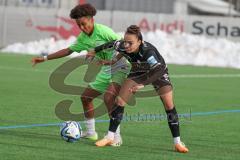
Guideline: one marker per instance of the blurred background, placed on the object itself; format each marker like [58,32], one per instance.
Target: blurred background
[26,20]
[196,32]
[202,7]
[199,40]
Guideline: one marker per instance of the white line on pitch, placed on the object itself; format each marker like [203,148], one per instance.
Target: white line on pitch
[171,75]
[204,75]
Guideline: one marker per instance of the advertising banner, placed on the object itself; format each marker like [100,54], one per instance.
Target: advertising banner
[21,24]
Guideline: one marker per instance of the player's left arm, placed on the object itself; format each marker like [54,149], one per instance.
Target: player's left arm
[111,62]
[117,45]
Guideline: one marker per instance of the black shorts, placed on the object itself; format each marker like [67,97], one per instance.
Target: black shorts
[158,84]
[161,83]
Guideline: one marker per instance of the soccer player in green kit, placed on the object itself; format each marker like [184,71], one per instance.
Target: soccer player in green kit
[93,35]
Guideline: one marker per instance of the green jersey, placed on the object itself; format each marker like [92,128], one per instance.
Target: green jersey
[101,34]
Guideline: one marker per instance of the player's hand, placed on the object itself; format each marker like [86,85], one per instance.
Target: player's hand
[135,88]
[37,60]
[90,55]
[104,62]
[100,62]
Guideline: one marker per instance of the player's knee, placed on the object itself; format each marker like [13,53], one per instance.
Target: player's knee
[167,102]
[109,98]
[86,99]
[168,105]
[120,101]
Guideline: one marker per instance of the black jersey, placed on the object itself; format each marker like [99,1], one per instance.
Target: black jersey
[147,62]
[147,58]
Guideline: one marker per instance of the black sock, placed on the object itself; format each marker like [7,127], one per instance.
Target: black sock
[173,122]
[116,117]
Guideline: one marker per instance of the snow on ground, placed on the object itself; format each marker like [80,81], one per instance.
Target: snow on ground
[176,48]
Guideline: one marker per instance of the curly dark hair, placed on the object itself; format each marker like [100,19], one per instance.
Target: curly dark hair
[83,10]
[134,29]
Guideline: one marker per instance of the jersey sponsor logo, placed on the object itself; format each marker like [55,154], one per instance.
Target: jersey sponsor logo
[152,61]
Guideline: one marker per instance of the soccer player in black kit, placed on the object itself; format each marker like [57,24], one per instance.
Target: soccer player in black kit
[148,67]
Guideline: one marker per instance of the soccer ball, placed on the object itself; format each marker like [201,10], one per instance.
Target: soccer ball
[70,131]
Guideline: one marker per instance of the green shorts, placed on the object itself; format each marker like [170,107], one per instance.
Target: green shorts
[103,80]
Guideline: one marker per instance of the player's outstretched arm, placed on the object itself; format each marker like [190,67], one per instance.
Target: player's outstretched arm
[111,62]
[59,54]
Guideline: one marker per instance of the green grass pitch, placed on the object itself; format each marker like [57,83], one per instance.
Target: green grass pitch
[26,98]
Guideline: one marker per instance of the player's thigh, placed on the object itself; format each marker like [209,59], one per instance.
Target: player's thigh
[167,100]
[112,90]
[111,94]
[89,94]
[164,89]
[117,81]
[125,93]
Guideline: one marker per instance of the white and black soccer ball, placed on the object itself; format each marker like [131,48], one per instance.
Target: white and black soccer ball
[70,131]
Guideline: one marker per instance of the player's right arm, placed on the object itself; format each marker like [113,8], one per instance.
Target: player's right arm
[78,46]
[59,54]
